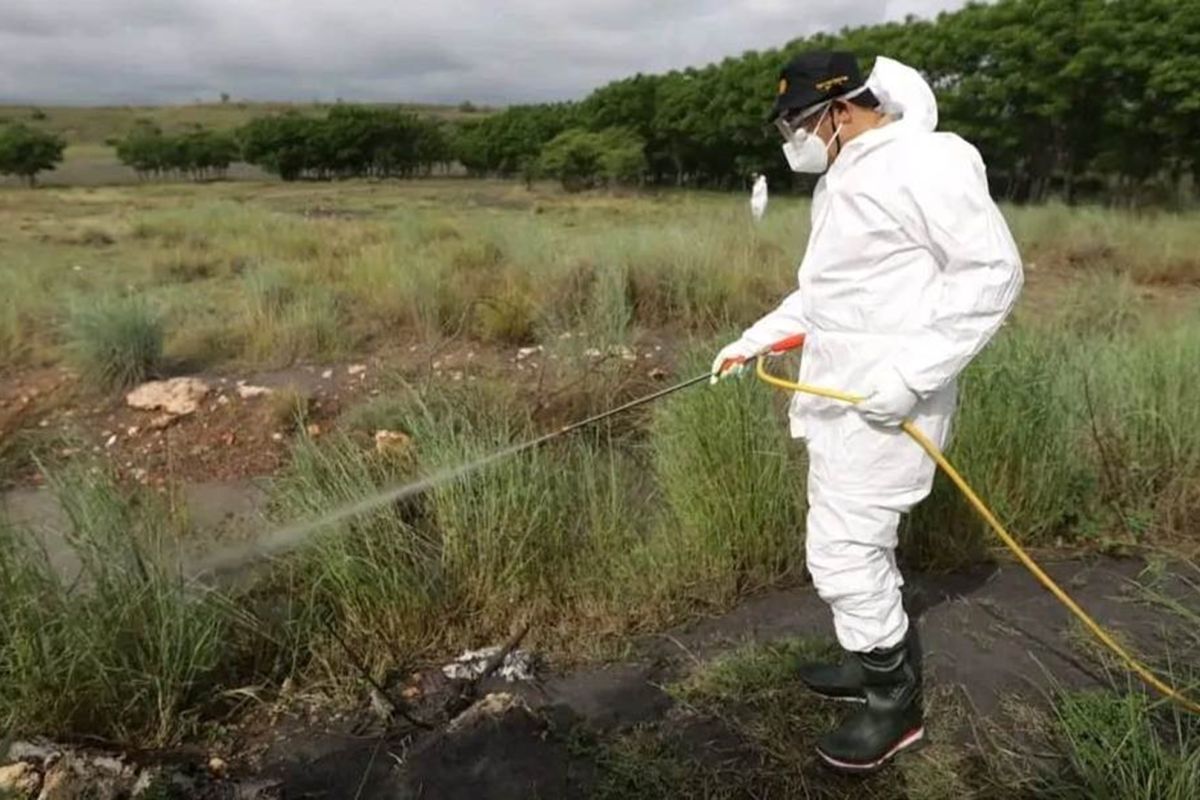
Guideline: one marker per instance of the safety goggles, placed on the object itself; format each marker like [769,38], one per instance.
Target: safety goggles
[803,119]
[808,119]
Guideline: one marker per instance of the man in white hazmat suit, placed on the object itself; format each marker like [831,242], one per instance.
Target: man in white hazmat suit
[758,197]
[909,272]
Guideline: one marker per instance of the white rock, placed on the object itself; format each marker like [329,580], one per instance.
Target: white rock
[624,352]
[592,352]
[178,396]
[20,779]
[392,442]
[30,751]
[247,392]
[517,665]
[278,437]
[132,431]
[526,352]
[356,369]
[111,441]
[327,374]
[223,400]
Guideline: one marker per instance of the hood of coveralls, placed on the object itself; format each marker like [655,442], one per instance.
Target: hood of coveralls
[904,94]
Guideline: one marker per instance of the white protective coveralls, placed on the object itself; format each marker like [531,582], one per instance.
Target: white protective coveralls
[758,198]
[909,271]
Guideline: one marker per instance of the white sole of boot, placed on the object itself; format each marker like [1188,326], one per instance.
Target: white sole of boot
[908,741]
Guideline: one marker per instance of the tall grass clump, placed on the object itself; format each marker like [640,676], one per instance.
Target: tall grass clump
[705,274]
[123,650]
[732,489]
[527,536]
[1018,440]
[114,342]
[374,576]
[284,320]
[1081,425]
[1119,746]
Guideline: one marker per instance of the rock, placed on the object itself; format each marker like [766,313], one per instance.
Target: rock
[217,767]
[313,429]
[392,443]
[494,705]
[32,751]
[223,400]
[250,392]
[65,781]
[110,441]
[381,706]
[162,422]
[356,369]
[178,396]
[592,352]
[21,779]
[113,766]
[526,352]
[277,437]
[517,665]
[658,373]
[132,431]
[158,782]
[327,374]
[624,352]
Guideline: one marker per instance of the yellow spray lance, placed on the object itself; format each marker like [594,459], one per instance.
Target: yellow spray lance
[939,457]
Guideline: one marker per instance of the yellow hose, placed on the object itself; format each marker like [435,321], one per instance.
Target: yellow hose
[1045,580]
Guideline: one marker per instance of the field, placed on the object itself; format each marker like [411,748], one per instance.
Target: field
[459,317]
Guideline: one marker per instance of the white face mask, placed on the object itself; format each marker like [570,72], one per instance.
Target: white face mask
[807,152]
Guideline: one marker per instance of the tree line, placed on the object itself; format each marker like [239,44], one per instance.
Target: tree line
[1082,99]
[200,154]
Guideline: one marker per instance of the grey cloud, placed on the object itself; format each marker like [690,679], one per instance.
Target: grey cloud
[118,51]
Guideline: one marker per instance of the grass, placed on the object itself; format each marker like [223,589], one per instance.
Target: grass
[1079,425]
[121,650]
[114,342]
[1120,747]
[745,728]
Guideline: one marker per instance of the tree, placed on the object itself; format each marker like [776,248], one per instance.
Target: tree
[581,159]
[200,153]
[26,151]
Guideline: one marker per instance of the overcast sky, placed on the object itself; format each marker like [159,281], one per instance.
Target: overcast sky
[446,51]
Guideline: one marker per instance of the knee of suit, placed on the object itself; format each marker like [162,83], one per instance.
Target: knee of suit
[848,574]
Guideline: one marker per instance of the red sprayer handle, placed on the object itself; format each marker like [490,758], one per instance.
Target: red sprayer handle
[786,345]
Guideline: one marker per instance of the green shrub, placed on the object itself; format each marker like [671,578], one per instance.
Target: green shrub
[126,650]
[114,342]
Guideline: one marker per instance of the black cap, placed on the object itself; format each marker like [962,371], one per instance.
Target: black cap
[812,78]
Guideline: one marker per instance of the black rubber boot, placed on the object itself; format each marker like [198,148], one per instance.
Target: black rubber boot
[892,718]
[842,681]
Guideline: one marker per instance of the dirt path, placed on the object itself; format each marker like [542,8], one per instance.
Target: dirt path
[990,635]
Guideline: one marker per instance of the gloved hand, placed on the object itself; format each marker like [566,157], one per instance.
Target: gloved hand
[888,401]
[732,360]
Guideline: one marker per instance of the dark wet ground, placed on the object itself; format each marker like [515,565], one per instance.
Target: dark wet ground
[991,632]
